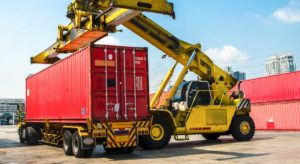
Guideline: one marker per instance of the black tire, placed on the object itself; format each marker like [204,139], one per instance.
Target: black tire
[67,143]
[212,136]
[77,147]
[242,128]
[31,136]
[149,142]
[21,135]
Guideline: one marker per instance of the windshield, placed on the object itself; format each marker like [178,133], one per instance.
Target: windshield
[180,93]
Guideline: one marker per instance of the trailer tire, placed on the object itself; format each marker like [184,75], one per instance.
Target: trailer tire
[67,143]
[212,136]
[77,146]
[21,132]
[160,135]
[31,136]
[242,128]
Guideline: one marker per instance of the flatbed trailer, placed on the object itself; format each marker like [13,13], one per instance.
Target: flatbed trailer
[98,95]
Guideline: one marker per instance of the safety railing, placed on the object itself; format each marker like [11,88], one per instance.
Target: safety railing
[212,101]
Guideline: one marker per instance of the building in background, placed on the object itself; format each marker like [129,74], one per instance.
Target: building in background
[282,63]
[8,109]
[236,74]
[239,75]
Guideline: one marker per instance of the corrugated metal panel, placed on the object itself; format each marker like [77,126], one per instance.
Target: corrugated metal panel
[273,88]
[127,83]
[86,85]
[61,91]
[277,115]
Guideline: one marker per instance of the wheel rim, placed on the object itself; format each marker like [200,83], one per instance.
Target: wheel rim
[75,145]
[157,132]
[245,127]
[66,142]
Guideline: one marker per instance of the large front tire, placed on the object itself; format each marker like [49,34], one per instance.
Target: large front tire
[160,135]
[242,128]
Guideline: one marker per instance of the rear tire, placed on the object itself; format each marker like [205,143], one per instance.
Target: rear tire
[160,135]
[212,136]
[67,143]
[31,136]
[77,147]
[21,135]
[242,128]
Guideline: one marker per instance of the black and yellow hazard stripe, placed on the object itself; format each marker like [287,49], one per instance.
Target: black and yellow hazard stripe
[142,124]
[132,135]
[111,143]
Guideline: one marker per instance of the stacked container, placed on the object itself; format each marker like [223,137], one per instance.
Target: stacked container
[275,101]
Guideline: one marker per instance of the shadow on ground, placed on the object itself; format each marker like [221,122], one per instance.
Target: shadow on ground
[177,149]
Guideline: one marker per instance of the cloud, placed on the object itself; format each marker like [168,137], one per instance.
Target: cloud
[226,55]
[289,14]
[109,40]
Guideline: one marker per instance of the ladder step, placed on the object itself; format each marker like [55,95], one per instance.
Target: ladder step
[186,137]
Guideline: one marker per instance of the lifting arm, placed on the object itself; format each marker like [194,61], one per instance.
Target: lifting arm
[94,19]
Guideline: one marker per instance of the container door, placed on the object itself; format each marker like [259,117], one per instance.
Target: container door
[134,86]
[106,84]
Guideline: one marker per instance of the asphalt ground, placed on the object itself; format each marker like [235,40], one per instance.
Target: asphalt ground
[266,147]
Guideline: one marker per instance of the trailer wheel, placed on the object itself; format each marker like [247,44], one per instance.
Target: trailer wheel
[212,136]
[31,136]
[67,142]
[77,145]
[160,135]
[242,128]
[21,132]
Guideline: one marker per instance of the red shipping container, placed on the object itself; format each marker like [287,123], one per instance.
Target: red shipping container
[273,88]
[276,115]
[100,83]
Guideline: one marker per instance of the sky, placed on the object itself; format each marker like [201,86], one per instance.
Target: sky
[237,33]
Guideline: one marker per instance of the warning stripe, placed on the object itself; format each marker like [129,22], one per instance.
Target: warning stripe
[244,104]
[142,124]
[132,142]
[132,137]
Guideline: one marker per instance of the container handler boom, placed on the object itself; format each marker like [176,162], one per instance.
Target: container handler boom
[206,107]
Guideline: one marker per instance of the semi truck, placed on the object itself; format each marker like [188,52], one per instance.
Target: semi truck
[206,107]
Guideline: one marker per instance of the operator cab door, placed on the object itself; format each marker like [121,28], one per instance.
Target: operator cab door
[191,94]
[198,93]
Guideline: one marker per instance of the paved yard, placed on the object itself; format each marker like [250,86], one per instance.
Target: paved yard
[267,147]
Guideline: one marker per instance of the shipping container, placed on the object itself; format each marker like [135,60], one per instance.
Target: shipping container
[99,83]
[283,87]
[281,115]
